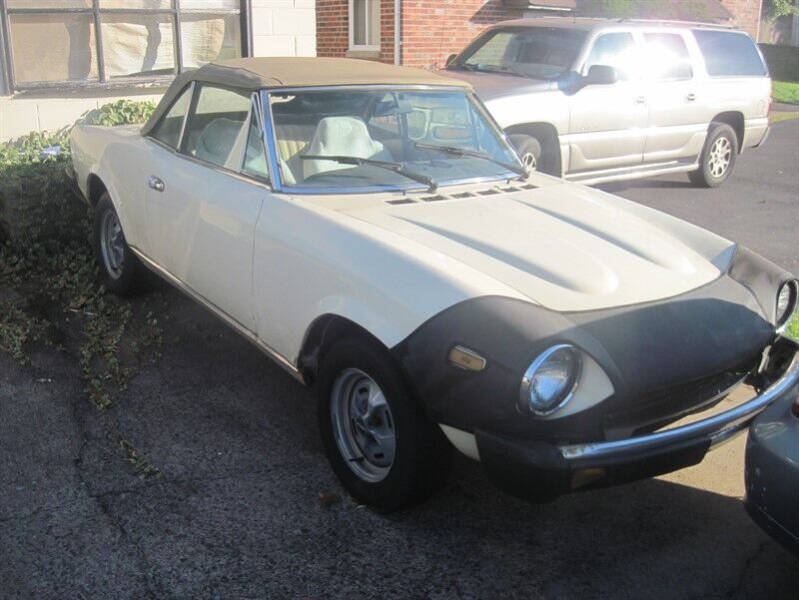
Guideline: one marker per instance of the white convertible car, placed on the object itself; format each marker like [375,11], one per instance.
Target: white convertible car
[370,229]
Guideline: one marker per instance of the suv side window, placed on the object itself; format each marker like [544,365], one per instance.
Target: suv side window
[168,129]
[729,54]
[617,50]
[215,130]
[667,56]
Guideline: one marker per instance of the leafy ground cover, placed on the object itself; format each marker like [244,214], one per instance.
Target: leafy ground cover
[50,295]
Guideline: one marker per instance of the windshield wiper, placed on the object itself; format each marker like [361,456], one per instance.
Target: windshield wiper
[457,151]
[399,168]
[501,69]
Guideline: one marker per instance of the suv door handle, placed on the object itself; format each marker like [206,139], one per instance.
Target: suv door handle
[640,100]
[691,97]
[155,183]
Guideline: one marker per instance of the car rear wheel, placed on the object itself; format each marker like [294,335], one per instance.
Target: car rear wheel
[718,157]
[382,447]
[119,267]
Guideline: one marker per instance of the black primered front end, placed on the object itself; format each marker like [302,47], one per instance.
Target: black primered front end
[665,360]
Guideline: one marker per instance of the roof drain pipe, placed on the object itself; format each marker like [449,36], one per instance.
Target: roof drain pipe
[397,31]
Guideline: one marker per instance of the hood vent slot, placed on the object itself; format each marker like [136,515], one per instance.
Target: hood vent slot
[529,186]
[511,188]
[401,201]
[433,198]
[463,195]
[491,192]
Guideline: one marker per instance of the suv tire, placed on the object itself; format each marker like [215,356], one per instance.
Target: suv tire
[718,156]
[379,442]
[120,268]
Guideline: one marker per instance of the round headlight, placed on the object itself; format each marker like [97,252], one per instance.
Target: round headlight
[550,381]
[786,302]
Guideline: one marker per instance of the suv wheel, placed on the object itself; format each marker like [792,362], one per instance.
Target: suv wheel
[380,444]
[529,150]
[118,265]
[718,156]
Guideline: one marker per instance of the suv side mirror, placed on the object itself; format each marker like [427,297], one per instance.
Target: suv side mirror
[450,59]
[601,75]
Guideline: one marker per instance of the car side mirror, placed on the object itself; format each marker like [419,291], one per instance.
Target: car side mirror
[601,75]
[450,59]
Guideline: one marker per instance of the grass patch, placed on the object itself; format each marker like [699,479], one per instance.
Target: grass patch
[793,328]
[786,92]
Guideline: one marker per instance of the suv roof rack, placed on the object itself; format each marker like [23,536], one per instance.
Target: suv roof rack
[676,22]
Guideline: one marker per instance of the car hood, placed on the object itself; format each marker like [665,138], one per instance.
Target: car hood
[561,246]
[490,85]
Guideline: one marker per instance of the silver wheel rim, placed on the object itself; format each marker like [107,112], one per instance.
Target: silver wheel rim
[720,157]
[363,425]
[112,244]
[529,161]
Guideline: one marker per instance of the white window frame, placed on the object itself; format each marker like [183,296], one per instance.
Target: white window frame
[367,23]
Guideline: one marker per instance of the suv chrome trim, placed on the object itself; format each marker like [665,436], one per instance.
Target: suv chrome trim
[718,428]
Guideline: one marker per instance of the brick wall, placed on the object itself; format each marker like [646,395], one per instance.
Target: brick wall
[746,14]
[431,29]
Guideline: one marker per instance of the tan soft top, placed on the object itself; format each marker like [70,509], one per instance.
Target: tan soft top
[304,72]
[263,73]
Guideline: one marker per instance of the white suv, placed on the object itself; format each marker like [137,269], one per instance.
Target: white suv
[597,100]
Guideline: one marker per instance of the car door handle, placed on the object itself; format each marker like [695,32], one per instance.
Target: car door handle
[690,97]
[156,183]
[640,100]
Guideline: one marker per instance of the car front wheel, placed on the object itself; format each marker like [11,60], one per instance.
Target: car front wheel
[718,157]
[383,449]
[119,267]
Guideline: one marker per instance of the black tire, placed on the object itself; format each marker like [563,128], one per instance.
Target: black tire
[717,160]
[421,453]
[122,272]
[529,150]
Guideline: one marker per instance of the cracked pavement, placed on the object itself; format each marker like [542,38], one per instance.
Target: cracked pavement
[245,505]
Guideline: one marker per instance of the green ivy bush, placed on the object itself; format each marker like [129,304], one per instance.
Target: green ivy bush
[49,286]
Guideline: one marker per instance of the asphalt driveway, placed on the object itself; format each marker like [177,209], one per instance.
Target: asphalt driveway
[244,505]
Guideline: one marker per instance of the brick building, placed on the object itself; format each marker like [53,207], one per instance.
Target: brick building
[424,33]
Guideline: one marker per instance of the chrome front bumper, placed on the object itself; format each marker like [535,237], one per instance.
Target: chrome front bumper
[540,471]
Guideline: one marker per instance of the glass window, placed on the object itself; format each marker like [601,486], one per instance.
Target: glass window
[729,54]
[617,50]
[418,132]
[215,130]
[254,157]
[667,56]
[538,52]
[104,41]
[365,24]
[138,45]
[168,130]
[48,47]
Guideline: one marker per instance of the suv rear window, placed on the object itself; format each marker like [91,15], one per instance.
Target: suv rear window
[730,54]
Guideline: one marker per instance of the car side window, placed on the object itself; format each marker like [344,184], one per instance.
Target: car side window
[729,54]
[667,56]
[617,50]
[168,128]
[254,156]
[216,127]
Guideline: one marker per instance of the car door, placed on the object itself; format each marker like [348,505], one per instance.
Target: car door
[205,198]
[678,116]
[606,122]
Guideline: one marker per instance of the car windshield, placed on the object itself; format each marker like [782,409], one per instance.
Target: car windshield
[337,139]
[536,52]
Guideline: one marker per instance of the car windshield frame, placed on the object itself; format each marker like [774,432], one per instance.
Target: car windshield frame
[461,60]
[270,137]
